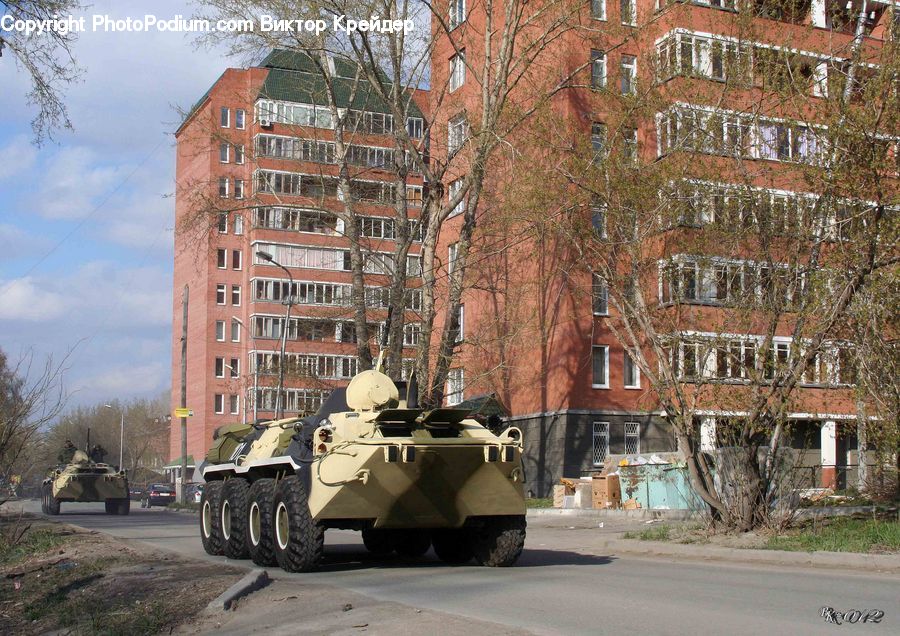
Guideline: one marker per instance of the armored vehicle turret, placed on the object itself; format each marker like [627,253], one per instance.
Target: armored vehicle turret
[84,480]
[409,479]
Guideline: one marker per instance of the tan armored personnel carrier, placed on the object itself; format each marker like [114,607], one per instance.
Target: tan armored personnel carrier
[83,480]
[409,479]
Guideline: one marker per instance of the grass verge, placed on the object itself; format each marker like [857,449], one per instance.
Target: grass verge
[841,535]
[654,533]
[539,502]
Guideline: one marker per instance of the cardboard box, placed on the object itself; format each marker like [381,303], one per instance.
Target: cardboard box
[583,495]
[631,504]
[605,491]
[559,491]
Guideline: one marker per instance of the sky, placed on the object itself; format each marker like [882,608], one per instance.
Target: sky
[86,221]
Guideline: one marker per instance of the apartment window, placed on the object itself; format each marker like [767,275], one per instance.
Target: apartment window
[220,328]
[220,367]
[632,438]
[235,330]
[461,323]
[415,127]
[224,150]
[453,190]
[219,403]
[235,367]
[457,132]
[598,220]
[600,367]
[220,295]
[235,259]
[598,9]
[236,295]
[457,70]
[233,404]
[598,69]
[457,13]
[222,224]
[221,258]
[238,188]
[238,224]
[454,386]
[632,373]
[599,296]
[601,442]
[239,154]
[628,10]
[240,117]
[598,141]
[452,253]
[224,117]
[630,144]
[223,187]
[629,74]
[412,332]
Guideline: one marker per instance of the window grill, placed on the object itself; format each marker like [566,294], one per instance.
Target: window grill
[601,442]
[632,438]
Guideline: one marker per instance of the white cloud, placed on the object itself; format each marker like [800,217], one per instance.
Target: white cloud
[123,379]
[18,243]
[18,157]
[73,183]
[23,299]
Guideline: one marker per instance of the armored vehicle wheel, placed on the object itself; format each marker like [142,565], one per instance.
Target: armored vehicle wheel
[452,546]
[52,503]
[124,507]
[499,542]
[233,511]
[112,506]
[259,522]
[210,532]
[412,543]
[378,541]
[298,538]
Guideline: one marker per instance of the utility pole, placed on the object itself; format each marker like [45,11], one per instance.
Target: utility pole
[184,327]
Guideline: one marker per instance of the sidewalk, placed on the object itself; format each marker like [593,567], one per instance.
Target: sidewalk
[586,534]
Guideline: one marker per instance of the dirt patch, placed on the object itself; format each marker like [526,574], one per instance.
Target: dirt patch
[57,577]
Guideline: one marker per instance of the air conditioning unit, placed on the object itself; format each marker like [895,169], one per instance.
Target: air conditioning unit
[265,123]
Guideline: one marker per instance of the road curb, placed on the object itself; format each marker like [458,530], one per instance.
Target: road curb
[843,560]
[251,582]
[591,513]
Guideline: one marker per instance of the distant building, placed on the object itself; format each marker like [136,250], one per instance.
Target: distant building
[256,172]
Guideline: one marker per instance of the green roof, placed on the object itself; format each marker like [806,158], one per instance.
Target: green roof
[294,77]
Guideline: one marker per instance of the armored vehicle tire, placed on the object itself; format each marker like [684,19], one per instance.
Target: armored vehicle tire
[412,543]
[118,506]
[453,546]
[210,532]
[299,539]
[259,522]
[233,518]
[378,541]
[499,542]
[52,502]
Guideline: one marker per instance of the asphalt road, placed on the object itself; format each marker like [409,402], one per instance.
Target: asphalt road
[565,585]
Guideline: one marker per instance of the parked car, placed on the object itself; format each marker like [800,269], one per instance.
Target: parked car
[157,495]
[198,493]
[135,492]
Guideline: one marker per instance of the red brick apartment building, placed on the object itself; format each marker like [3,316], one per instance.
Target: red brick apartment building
[256,173]
[571,386]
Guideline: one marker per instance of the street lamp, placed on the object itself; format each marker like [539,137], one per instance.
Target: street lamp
[288,302]
[121,433]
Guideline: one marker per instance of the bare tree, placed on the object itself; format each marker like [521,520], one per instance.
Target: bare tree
[47,57]
[732,224]
[31,396]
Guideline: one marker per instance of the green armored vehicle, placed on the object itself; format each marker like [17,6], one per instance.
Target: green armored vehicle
[84,480]
[408,478]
